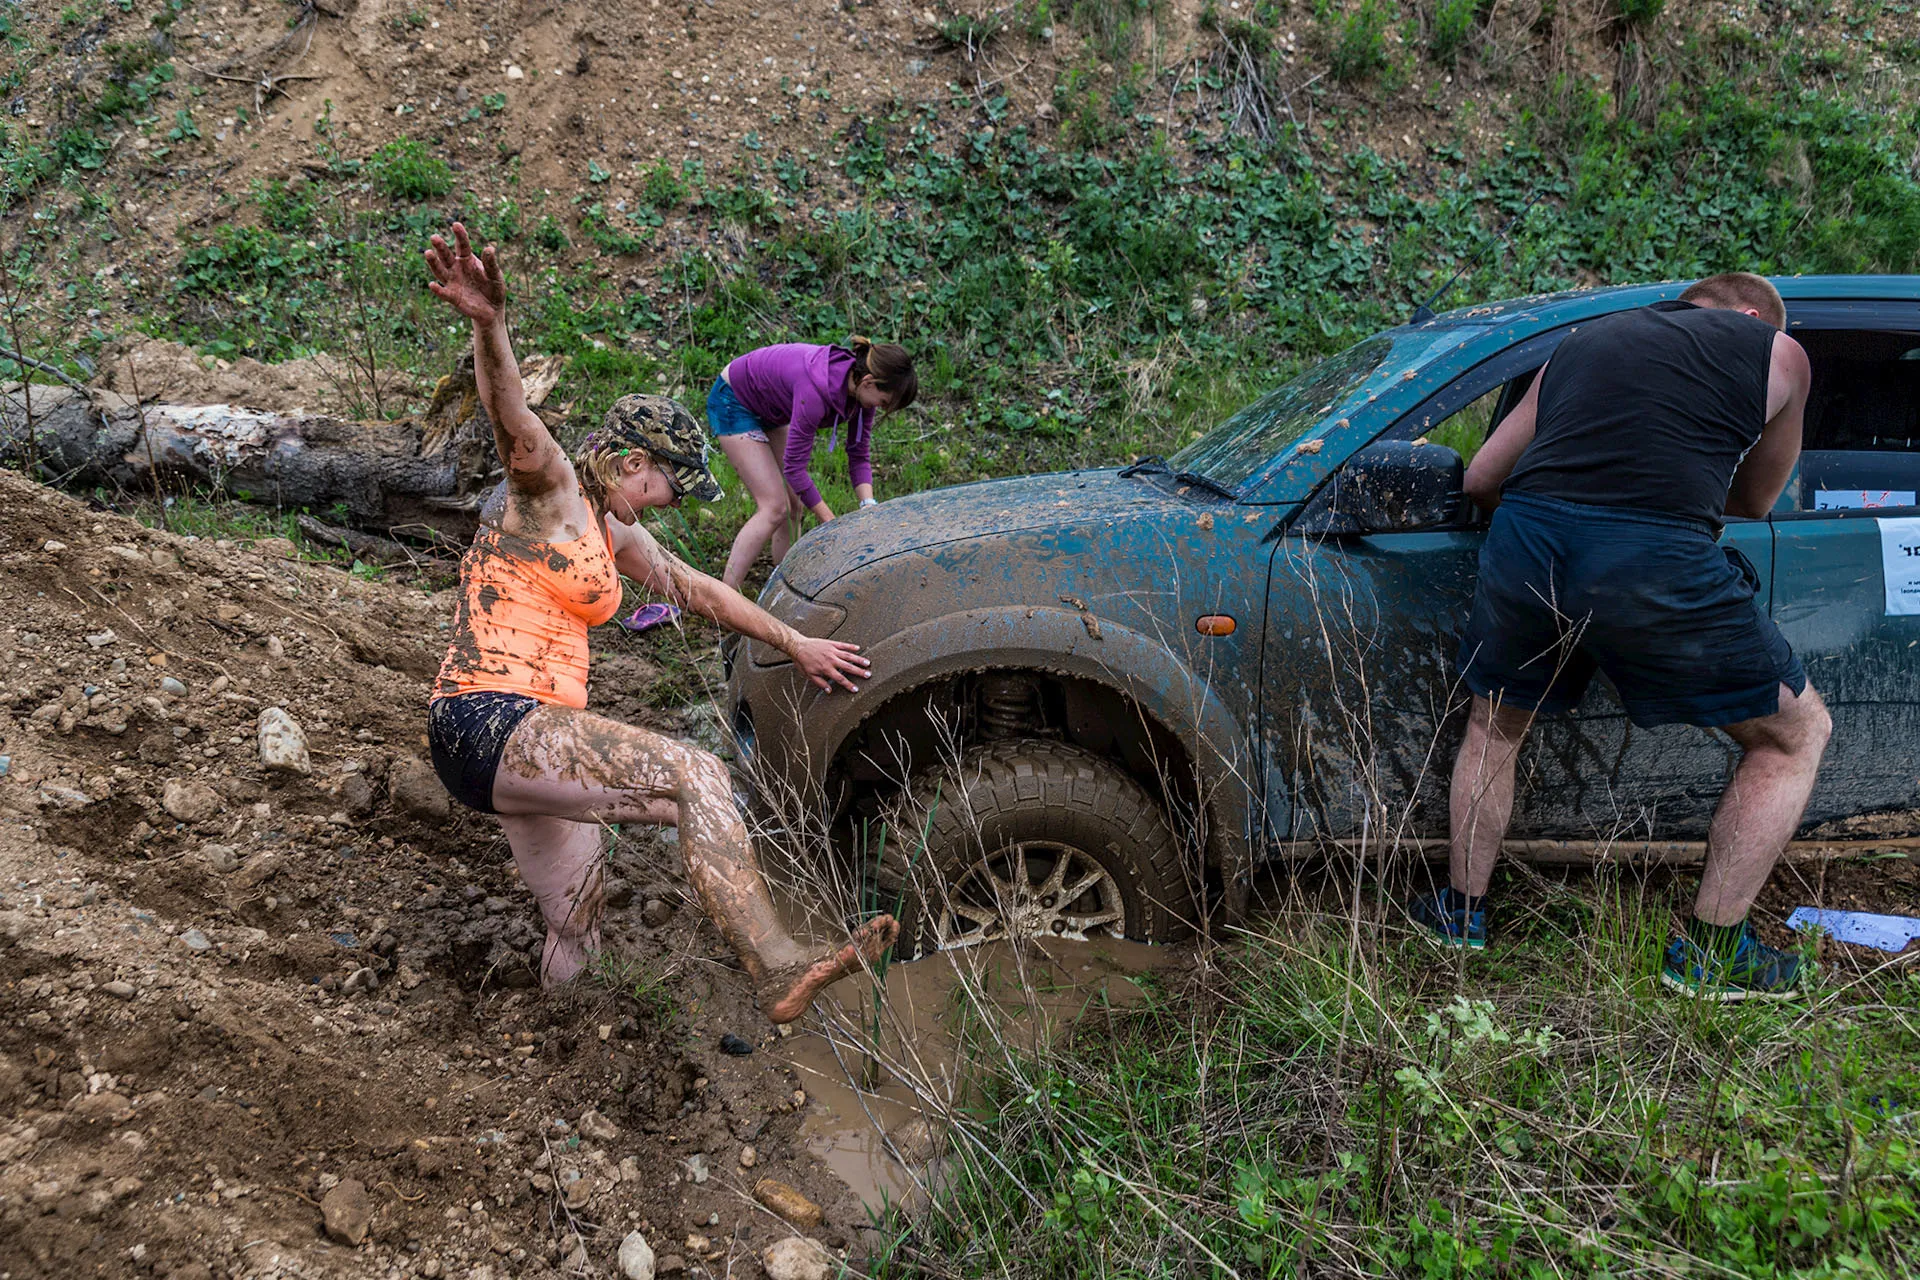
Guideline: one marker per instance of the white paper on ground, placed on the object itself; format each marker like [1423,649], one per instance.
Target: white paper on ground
[1887,933]
[1900,562]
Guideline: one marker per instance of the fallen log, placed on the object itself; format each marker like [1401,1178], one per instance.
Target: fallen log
[414,478]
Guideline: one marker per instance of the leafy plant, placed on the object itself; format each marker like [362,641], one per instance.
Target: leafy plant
[1450,29]
[407,170]
[1360,42]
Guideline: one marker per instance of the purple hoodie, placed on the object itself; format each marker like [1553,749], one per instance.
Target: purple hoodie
[805,387]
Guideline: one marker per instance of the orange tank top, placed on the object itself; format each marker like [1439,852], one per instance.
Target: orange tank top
[521,624]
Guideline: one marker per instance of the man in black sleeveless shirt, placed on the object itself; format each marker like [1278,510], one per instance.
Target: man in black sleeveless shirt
[1609,483]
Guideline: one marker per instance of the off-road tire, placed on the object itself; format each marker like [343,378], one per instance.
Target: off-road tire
[1032,790]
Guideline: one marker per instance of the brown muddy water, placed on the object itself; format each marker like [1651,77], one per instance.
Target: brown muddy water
[875,1069]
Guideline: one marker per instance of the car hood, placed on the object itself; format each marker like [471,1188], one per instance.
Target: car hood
[938,517]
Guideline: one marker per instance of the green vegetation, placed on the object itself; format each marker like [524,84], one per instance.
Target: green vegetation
[1360,41]
[1076,292]
[1338,1099]
[408,169]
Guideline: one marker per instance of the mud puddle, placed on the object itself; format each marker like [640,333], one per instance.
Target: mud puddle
[879,1073]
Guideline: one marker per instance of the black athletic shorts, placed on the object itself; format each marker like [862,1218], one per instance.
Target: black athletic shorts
[466,734]
[1650,599]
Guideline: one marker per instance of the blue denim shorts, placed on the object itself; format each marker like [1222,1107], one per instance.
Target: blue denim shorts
[726,416]
[1652,600]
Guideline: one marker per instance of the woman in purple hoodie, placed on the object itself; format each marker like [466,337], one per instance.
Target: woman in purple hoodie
[768,406]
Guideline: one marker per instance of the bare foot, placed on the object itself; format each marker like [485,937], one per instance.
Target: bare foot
[786,992]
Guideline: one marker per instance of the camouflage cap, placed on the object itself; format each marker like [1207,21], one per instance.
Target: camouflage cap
[667,431]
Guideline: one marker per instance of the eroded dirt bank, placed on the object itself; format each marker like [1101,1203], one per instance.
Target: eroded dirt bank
[225,990]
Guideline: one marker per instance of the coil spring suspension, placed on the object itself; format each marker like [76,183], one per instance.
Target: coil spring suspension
[1009,707]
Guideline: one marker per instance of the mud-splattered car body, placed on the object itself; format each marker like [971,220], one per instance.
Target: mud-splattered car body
[1275,653]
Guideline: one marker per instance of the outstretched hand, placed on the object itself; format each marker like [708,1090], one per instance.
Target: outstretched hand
[473,285]
[831,662]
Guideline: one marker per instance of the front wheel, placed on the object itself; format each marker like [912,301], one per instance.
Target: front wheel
[1032,839]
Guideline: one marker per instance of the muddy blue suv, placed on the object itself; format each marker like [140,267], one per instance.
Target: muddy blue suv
[1100,695]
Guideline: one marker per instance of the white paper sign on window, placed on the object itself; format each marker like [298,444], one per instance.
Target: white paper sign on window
[1861,499]
[1900,562]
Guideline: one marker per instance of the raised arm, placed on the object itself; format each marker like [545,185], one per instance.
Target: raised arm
[826,662]
[1764,472]
[1501,452]
[474,287]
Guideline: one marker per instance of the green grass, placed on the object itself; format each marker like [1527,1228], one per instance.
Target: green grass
[1347,1101]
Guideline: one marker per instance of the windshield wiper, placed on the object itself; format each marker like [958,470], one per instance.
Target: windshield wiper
[1157,465]
[1199,481]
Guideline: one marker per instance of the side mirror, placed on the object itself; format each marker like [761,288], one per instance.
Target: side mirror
[1389,486]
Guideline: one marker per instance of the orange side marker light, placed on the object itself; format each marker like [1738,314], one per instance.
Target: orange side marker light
[1214,624]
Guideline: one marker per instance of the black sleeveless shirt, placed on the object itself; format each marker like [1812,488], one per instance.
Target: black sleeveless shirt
[1650,408]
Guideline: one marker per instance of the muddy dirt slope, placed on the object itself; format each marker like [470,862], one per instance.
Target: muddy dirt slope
[231,994]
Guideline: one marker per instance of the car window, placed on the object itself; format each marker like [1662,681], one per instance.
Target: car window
[1468,429]
[1860,448]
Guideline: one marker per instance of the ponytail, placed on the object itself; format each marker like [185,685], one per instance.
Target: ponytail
[890,367]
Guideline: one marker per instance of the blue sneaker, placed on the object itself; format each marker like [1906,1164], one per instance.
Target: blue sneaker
[1755,971]
[1445,917]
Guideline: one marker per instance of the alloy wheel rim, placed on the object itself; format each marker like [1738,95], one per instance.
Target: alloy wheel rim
[1031,889]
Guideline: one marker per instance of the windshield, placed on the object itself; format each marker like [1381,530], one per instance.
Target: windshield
[1244,444]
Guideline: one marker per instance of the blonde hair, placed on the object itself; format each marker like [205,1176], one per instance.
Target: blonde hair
[598,464]
[1738,291]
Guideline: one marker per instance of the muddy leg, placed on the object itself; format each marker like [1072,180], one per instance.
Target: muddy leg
[563,864]
[571,764]
[722,869]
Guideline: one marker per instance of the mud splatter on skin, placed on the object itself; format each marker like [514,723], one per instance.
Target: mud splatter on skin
[580,769]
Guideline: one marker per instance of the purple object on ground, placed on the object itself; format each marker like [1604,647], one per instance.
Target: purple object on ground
[1887,933]
[650,615]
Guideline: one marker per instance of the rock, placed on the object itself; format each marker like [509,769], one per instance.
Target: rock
[190,802]
[103,1106]
[618,894]
[672,1265]
[172,687]
[697,1166]
[513,73]
[597,1127]
[356,795]
[119,990]
[748,1156]
[280,548]
[260,868]
[158,747]
[221,858]
[283,743]
[345,1211]
[733,1044]
[798,1258]
[636,1257]
[361,979]
[416,790]
[101,639]
[788,1203]
[196,940]
[655,913]
[914,1140]
[53,548]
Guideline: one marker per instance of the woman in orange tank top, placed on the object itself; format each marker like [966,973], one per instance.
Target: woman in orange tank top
[508,724]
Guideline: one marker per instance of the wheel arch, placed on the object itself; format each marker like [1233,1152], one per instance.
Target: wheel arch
[1172,730]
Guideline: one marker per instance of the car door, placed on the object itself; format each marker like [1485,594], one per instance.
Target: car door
[1847,541]
[1362,668]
